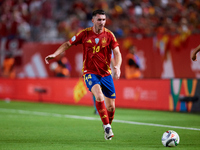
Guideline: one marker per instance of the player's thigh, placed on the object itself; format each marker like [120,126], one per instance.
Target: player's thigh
[108,87]
[93,83]
[91,80]
[96,90]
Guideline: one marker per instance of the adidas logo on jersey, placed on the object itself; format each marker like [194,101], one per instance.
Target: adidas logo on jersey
[89,41]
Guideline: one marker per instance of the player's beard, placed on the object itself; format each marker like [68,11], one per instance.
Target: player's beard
[100,27]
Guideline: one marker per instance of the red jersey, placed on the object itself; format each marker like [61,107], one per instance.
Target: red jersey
[97,50]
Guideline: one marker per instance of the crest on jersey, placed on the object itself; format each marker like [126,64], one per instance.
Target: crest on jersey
[96,40]
[104,41]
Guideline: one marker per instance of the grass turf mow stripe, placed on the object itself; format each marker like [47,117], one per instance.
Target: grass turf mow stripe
[88,118]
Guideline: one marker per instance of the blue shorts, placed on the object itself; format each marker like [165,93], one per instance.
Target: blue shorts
[106,84]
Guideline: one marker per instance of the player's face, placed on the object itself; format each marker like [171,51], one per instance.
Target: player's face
[99,21]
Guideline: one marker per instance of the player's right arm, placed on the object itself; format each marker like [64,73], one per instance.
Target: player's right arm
[75,40]
[194,53]
[60,50]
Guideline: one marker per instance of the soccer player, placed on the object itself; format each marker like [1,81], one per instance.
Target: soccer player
[98,43]
[194,53]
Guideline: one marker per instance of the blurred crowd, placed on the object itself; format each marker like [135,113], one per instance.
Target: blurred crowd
[58,20]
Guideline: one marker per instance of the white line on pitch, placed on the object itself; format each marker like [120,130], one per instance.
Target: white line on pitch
[88,118]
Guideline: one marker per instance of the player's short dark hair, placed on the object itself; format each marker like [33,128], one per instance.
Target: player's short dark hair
[98,11]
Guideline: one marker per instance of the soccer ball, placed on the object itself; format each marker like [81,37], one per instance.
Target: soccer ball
[170,138]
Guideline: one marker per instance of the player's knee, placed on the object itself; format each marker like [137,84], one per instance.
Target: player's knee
[99,97]
[111,108]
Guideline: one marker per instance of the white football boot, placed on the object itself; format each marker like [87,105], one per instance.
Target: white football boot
[108,132]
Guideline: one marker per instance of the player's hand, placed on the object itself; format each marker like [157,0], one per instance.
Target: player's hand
[194,57]
[117,72]
[49,57]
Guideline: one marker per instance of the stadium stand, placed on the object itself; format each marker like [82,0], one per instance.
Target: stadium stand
[58,20]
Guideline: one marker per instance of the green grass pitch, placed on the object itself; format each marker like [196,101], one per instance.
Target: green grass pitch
[42,126]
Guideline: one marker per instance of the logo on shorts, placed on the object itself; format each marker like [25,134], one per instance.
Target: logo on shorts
[73,38]
[113,94]
[90,83]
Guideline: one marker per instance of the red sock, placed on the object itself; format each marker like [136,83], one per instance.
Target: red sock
[102,112]
[111,115]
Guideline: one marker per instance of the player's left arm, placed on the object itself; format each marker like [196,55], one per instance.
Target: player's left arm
[194,53]
[118,62]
